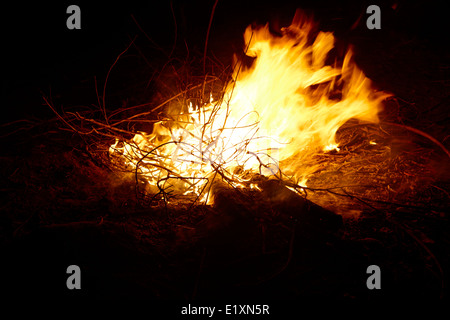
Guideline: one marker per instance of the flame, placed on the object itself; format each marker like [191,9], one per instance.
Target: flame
[283,109]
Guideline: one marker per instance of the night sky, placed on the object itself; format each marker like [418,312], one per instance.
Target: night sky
[41,53]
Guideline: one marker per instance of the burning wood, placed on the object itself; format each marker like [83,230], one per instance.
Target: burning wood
[277,118]
[271,117]
[256,186]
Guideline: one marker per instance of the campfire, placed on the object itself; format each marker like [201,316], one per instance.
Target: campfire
[269,119]
[295,116]
[289,159]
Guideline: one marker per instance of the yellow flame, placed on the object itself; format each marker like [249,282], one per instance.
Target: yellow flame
[286,107]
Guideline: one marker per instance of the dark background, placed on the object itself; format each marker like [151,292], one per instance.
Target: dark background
[41,54]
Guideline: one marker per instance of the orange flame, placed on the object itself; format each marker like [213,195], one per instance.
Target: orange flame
[283,109]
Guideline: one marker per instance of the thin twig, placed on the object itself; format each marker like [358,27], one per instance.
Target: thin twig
[107,76]
[207,35]
[420,132]
[58,115]
[160,105]
[147,36]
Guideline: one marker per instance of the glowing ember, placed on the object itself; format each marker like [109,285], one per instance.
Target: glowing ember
[281,111]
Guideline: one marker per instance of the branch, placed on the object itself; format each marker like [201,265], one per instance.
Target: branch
[424,134]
